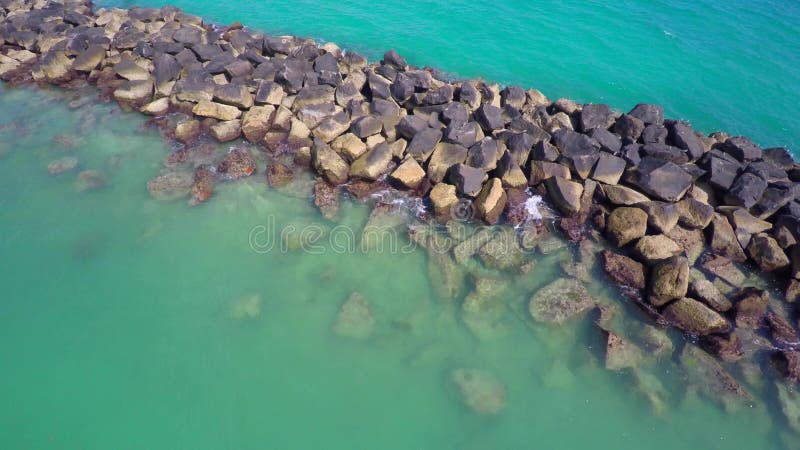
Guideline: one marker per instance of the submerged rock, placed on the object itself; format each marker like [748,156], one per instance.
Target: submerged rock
[246,308]
[355,318]
[326,199]
[560,301]
[278,174]
[623,270]
[483,310]
[170,186]
[238,163]
[621,354]
[90,180]
[62,165]
[480,390]
[203,185]
[712,379]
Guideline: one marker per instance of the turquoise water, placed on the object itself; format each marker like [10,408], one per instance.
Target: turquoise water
[729,65]
[128,323]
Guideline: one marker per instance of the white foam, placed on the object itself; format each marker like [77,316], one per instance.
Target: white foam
[532,207]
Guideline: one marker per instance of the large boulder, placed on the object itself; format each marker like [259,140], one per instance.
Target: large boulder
[661,179]
[669,280]
[170,186]
[578,150]
[746,190]
[655,248]
[705,291]
[775,197]
[694,214]
[481,391]
[661,216]
[256,122]
[328,163]
[468,180]
[742,148]
[491,201]
[694,317]
[624,271]
[503,251]
[623,195]
[560,301]
[723,240]
[237,164]
[626,224]
[649,114]
[372,164]
[766,253]
[443,198]
[565,194]
[326,199]
[751,306]
[444,156]
[423,143]
[408,174]
[722,169]
[216,111]
[609,168]
[595,115]
[682,136]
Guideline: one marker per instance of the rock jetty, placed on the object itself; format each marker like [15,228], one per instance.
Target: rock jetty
[681,212]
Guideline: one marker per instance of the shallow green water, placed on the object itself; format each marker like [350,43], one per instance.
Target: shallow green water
[120,325]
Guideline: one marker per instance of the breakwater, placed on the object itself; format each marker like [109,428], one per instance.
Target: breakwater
[682,209]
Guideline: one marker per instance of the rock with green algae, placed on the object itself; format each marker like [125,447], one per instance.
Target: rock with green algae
[708,375]
[656,342]
[483,310]
[355,319]
[170,186]
[503,251]
[480,390]
[694,317]
[446,276]
[650,386]
[469,246]
[560,301]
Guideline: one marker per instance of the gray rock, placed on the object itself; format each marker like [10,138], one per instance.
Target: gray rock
[423,144]
[741,148]
[594,115]
[608,141]
[661,179]
[655,134]
[682,136]
[484,154]
[746,190]
[466,134]
[467,180]
[609,169]
[649,114]
[565,194]
[629,128]
[489,117]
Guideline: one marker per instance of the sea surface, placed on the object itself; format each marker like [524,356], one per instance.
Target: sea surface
[129,323]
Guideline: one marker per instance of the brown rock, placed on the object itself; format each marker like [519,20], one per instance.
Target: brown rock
[691,241]
[766,253]
[227,131]
[408,174]
[694,214]
[727,347]
[751,306]
[723,240]
[278,174]
[623,270]
[216,110]
[326,198]
[238,163]
[203,186]
[490,202]
[565,194]
[328,163]
[256,122]
[187,130]
[443,197]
